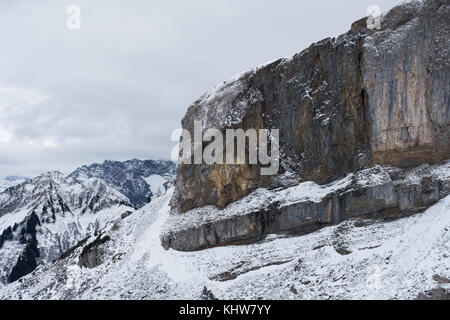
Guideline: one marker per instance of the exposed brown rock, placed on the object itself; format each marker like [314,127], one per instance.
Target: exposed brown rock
[440,280]
[367,97]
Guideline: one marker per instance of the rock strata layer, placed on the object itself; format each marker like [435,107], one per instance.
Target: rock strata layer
[377,193]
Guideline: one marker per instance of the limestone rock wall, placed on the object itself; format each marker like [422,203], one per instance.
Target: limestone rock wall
[406,76]
[367,97]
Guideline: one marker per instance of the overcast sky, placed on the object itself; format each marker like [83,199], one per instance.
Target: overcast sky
[118,87]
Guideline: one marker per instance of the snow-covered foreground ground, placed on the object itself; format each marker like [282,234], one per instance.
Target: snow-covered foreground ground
[358,259]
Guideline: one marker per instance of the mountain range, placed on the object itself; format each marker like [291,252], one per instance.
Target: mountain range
[137,180]
[11,181]
[43,217]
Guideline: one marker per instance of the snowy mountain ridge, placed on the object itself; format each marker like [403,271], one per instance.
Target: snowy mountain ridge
[43,217]
[133,178]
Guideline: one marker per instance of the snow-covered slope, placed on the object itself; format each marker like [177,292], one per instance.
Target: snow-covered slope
[358,259]
[11,181]
[136,179]
[44,217]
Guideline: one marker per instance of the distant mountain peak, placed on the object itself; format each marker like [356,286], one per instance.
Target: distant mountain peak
[131,177]
[11,181]
[50,175]
[13,178]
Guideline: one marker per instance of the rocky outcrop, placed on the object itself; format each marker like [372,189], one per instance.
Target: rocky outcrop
[406,74]
[27,261]
[344,104]
[91,256]
[438,294]
[380,193]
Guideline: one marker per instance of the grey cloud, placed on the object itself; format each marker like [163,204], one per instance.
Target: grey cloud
[118,87]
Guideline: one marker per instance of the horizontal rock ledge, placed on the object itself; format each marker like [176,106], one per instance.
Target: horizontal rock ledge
[379,192]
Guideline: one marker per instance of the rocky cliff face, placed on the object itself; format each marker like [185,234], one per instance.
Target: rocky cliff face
[344,104]
[406,76]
